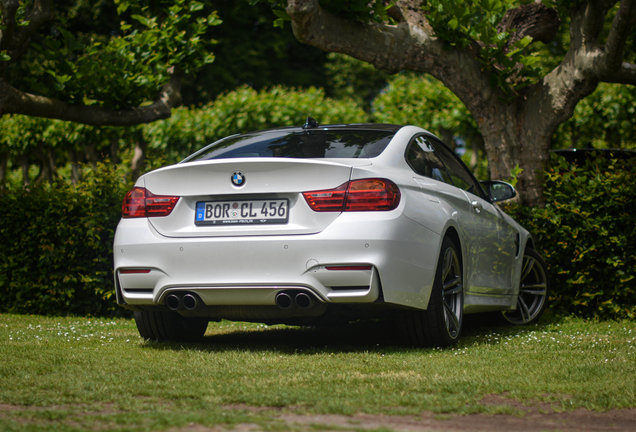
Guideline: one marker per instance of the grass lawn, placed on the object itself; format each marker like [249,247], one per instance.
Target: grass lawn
[98,374]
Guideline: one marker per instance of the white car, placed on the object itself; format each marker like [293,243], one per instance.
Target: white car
[316,224]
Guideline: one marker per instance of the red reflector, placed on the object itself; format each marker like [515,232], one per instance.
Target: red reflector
[357,195]
[132,271]
[140,202]
[348,267]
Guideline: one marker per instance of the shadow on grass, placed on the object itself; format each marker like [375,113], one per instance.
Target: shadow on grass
[379,336]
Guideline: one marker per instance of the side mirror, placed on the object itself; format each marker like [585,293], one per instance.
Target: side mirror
[499,190]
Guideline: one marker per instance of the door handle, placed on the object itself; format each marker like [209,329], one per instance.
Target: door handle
[477,206]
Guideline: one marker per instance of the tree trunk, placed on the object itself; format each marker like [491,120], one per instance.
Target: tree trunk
[76,169]
[51,164]
[138,159]
[91,154]
[4,161]
[46,160]
[114,149]
[24,165]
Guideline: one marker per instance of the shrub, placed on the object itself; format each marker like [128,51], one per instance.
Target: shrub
[586,234]
[244,110]
[57,246]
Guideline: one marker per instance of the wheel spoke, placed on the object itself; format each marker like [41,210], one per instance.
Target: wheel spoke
[527,268]
[523,309]
[448,263]
[453,286]
[450,315]
[528,289]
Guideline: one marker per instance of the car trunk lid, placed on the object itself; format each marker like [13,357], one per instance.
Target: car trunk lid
[264,182]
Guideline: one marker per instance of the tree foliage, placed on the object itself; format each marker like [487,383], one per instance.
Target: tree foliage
[424,101]
[249,50]
[464,22]
[487,53]
[605,119]
[51,143]
[125,69]
[348,78]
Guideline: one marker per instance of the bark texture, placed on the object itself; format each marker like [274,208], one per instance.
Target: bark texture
[516,131]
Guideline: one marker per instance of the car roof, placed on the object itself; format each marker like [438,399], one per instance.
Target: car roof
[347,126]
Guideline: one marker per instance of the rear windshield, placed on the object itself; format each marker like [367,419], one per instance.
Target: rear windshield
[306,144]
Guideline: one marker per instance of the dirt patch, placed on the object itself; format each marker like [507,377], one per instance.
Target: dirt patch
[540,417]
[537,418]
[579,420]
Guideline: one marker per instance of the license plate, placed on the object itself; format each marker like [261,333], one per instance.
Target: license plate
[248,212]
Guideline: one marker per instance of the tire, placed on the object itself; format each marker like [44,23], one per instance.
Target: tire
[441,324]
[534,289]
[159,326]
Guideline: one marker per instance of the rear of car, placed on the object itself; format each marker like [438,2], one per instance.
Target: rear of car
[288,225]
[323,224]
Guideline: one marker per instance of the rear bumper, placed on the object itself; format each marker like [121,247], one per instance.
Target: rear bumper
[252,270]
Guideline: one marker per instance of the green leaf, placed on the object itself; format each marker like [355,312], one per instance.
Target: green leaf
[282,17]
[141,19]
[523,42]
[196,6]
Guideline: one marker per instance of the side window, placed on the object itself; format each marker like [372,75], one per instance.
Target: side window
[459,173]
[422,158]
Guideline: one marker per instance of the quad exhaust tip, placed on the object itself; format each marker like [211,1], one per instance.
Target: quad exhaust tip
[301,300]
[187,301]
[283,300]
[173,302]
[190,302]
[304,301]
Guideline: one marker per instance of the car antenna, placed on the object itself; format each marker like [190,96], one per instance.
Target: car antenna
[311,123]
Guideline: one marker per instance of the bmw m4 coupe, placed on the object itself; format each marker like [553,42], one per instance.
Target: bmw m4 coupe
[323,224]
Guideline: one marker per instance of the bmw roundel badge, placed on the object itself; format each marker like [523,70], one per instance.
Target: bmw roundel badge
[238,179]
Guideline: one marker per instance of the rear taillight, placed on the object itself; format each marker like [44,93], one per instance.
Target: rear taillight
[331,200]
[140,202]
[357,195]
[372,195]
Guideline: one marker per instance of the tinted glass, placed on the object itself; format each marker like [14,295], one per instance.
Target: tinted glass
[422,158]
[305,144]
[459,173]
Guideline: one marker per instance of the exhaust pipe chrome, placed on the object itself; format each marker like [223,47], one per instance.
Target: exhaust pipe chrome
[173,302]
[304,301]
[190,302]
[283,301]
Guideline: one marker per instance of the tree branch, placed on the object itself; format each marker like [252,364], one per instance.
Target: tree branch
[316,26]
[534,20]
[625,75]
[39,14]
[617,38]
[407,46]
[593,20]
[9,9]
[14,101]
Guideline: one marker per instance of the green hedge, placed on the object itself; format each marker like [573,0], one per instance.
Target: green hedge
[57,242]
[587,235]
[243,110]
